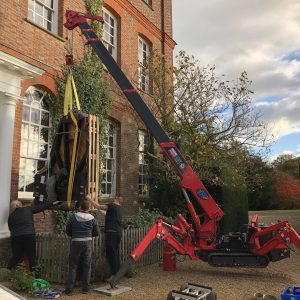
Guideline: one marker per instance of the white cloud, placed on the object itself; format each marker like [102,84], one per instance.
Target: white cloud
[256,36]
[282,116]
[287,152]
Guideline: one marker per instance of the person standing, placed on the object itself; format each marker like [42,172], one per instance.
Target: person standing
[113,213]
[22,231]
[82,227]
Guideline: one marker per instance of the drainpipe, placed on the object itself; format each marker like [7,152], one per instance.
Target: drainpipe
[163,51]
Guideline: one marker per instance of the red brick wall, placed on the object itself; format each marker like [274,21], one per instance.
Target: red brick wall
[42,49]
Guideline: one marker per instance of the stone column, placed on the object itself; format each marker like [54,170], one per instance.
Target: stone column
[7,122]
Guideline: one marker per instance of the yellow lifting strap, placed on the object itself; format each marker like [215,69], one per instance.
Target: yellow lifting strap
[70,90]
[68,104]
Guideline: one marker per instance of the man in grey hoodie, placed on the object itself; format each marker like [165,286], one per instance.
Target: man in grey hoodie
[82,227]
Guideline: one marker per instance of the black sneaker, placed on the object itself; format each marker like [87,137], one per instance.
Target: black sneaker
[85,291]
[68,292]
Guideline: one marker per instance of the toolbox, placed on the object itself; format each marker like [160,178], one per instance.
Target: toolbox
[291,293]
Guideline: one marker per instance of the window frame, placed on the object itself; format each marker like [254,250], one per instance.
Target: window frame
[114,46]
[142,57]
[54,10]
[29,139]
[113,158]
[142,162]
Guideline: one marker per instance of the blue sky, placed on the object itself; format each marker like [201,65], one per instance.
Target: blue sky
[260,37]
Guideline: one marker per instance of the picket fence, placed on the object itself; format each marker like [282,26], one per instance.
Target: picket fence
[53,252]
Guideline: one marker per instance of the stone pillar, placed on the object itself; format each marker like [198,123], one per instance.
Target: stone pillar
[7,122]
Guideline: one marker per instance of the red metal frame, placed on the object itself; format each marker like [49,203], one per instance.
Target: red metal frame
[203,235]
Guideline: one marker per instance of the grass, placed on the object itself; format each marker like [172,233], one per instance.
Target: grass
[281,213]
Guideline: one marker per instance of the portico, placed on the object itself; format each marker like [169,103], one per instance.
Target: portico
[12,72]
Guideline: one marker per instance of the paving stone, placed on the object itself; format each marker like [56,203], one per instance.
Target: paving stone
[113,292]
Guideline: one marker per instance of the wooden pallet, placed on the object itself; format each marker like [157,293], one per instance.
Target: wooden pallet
[93,158]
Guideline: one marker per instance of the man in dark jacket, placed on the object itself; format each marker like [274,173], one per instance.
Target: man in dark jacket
[113,231]
[21,226]
[82,227]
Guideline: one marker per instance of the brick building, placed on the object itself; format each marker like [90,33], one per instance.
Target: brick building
[32,51]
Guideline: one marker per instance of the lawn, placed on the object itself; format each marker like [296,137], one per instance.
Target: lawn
[281,213]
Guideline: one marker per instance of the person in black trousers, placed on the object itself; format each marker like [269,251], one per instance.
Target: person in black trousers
[113,231]
[21,226]
[82,227]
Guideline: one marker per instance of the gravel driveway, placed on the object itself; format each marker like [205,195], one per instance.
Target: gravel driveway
[229,283]
[152,283]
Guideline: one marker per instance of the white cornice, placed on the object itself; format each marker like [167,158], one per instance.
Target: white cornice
[14,64]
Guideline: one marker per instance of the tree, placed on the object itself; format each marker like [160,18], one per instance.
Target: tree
[211,120]
[289,164]
[260,183]
[287,191]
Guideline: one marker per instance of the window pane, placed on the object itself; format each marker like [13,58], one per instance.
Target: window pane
[24,132]
[108,188]
[30,166]
[34,133]
[49,26]
[35,116]
[22,164]
[29,184]
[109,164]
[33,149]
[110,49]
[112,22]
[109,177]
[43,150]
[104,176]
[45,118]
[111,141]
[24,146]
[44,135]
[48,14]
[30,4]
[39,20]
[49,3]
[103,188]
[38,8]
[111,152]
[26,111]
[21,183]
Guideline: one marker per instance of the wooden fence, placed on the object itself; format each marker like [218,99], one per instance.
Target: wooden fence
[53,252]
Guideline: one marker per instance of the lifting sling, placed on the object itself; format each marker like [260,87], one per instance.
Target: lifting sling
[68,102]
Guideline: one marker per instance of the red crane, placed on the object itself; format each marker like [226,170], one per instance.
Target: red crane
[256,246]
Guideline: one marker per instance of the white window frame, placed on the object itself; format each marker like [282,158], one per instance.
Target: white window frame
[33,14]
[109,163]
[143,164]
[143,53]
[29,138]
[112,47]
